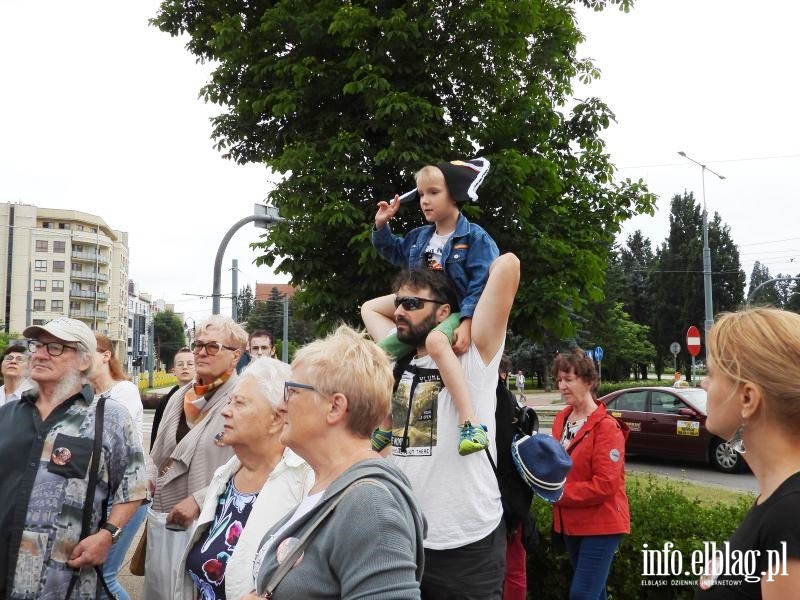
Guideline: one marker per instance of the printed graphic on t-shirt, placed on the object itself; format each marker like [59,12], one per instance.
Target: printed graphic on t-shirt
[415,423]
[433,253]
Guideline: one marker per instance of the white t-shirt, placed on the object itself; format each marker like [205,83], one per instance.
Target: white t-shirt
[520,380]
[458,494]
[434,250]
[5,396]
[127,394]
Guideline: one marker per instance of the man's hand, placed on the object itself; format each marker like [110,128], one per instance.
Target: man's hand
[184,512]
[462,336]
[91,551]
[386,211]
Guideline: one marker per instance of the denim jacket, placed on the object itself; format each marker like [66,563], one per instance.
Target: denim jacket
[467,256]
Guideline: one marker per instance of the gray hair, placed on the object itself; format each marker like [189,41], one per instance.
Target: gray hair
[270,375]
[233,334]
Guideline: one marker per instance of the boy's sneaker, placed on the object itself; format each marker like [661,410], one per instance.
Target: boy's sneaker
[380,439]
[472,438]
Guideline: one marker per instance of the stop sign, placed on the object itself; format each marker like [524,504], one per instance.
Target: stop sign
[693,340]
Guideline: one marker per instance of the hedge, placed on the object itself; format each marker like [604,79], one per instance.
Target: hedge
[659,514]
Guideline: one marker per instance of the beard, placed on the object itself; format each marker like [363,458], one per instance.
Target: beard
[415,335]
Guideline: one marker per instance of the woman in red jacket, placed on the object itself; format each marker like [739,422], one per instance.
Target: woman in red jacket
[593,513]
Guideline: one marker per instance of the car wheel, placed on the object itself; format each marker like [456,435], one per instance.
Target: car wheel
[724,458]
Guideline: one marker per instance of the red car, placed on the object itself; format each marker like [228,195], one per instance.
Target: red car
[671,422]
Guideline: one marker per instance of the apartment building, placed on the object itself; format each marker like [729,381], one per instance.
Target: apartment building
[63,262]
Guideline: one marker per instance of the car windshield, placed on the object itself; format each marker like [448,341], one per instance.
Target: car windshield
[696,396]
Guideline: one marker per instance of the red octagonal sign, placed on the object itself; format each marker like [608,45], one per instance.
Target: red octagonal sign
[693,340]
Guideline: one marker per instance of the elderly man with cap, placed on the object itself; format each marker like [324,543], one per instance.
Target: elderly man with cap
[53,526]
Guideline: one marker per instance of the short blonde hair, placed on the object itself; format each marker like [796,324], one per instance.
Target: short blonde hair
[233,334]
[429,171]
[270,375]
[348,363]
[762,346]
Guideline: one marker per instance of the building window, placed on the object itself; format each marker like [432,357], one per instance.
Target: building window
[39,321]
[41,245]
[77,267]
[56,305]
[40,265]
[59,247]
[58,266]
[39,285]
[74,305]
[58,285]
[63,226]
[38,305]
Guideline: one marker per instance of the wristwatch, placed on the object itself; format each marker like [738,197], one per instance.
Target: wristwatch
[113,530]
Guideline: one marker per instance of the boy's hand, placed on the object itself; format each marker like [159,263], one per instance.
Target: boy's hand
[462,336]
[386,211]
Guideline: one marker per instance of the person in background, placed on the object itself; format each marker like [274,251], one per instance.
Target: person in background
[185,456]
[259,343]
[249,493]
[183,368]
[520,380]
[14,367]
[753,360]
[52,430]
[371,545]
[109,379]
[593,513]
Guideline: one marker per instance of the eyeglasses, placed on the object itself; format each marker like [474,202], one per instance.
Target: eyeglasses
[289,389]
[53,348]
[413,302]
[15,358]
[212,348]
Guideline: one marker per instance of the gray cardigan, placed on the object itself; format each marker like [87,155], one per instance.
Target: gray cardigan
[370,546]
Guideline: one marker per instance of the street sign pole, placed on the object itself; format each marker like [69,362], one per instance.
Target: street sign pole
[693,345]
[674,348]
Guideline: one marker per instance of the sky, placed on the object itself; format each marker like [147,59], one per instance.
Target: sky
[100,113]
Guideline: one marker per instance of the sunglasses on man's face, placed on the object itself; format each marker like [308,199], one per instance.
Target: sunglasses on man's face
[413,302]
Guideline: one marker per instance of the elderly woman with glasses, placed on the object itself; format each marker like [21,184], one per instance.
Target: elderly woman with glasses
[370,546]
[185,454]
[255,488]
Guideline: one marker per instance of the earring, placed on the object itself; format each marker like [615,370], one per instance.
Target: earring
[737,441]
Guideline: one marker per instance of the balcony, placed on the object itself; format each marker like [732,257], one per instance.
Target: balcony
[88,295]
[88,314]
[90,257]
[88,276]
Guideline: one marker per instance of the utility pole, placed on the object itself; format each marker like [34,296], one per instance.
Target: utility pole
[235,291]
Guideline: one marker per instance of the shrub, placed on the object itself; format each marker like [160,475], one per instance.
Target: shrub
[659,514]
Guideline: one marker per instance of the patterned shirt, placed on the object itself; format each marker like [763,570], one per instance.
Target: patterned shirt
[208,558]
[42,490]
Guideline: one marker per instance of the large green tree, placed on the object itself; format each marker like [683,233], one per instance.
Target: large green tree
[169,336]
[679,299]
[245,301]
[344,100]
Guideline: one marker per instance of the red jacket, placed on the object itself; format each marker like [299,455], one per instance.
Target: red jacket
[594,500]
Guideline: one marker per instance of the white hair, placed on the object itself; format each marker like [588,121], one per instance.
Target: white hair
[270,375]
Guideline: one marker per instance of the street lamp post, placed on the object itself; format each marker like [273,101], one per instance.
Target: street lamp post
[709,310]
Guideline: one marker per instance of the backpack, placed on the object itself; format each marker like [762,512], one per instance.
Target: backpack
[511,420]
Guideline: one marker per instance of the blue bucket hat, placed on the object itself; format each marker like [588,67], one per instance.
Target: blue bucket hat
[543,463]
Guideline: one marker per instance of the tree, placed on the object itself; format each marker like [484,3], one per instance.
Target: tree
[344,100]
[793,303]
[268,314]
[679,298]
[169,336]
[245,303]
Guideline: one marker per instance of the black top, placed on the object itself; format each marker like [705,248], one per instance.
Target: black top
[762,534]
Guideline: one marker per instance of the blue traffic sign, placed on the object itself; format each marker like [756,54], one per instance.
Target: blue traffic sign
[598,354]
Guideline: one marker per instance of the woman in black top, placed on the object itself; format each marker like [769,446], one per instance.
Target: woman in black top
[753,387]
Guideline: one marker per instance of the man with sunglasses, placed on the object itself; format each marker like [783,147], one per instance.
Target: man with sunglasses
[189,446]
[466,542]
[47,442]
[14,367]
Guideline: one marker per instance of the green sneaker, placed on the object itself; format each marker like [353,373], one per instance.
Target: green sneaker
[472,438]
[380,439]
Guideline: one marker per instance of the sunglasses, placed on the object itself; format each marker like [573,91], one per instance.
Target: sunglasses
[212,348]
[413,302]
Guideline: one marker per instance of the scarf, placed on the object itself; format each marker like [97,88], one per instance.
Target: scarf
[196,398]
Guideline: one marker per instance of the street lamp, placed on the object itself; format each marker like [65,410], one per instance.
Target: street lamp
[706,250]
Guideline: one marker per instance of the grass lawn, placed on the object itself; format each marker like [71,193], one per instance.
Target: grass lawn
[706,494]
